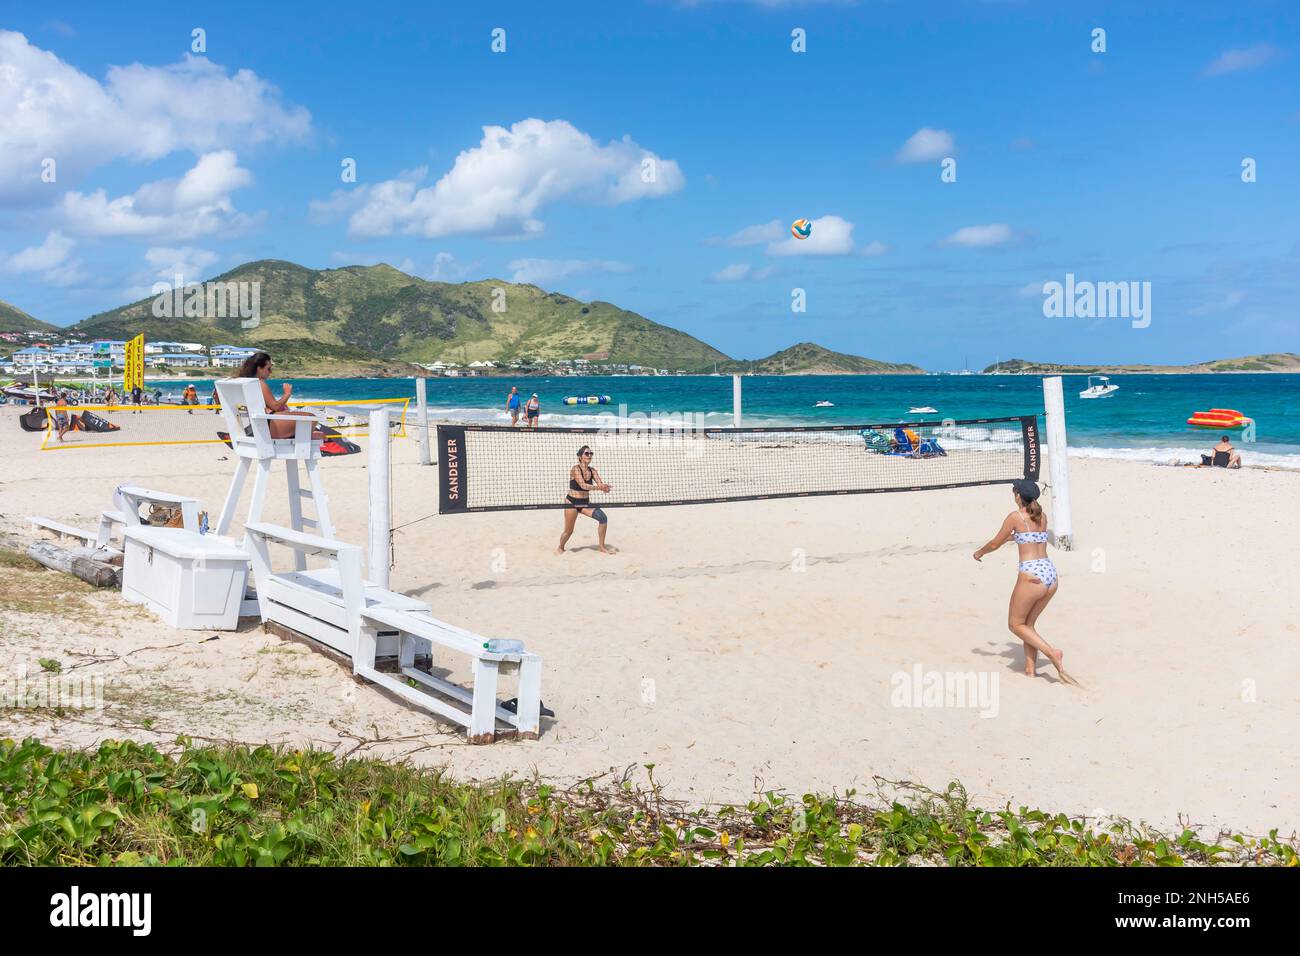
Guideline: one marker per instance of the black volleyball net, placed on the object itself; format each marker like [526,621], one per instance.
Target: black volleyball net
[502,468]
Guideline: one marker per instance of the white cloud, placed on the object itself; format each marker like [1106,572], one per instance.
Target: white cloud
[752,235]
[188,262]
[539,271]
[831,236]
[50,253]
[876,248]
[742,271]
[980,237]
[925,145]
[197,204]
[49,261]
[140,113]
[732,273]
[1250,58]
[501,185]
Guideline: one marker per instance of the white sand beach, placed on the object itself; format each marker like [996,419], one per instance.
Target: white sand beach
[756,645]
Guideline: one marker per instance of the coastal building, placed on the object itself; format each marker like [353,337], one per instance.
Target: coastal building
[229,356]
[177,360]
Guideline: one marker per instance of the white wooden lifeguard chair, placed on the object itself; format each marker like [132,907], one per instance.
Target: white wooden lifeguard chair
[256,447]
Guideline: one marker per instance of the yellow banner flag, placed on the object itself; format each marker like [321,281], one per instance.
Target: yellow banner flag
[133,376]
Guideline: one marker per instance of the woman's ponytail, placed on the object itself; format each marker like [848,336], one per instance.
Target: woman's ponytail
[1034,510]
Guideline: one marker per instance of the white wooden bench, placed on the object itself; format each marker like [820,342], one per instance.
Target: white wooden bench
[62,530]
[125,513]
[336,606]
[476,708]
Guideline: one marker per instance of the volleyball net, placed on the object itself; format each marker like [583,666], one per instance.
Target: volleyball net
[111,426]
[501,468]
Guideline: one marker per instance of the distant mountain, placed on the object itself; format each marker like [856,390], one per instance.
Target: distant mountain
[1270,362]
[385,313]
[14,319]
[807,358]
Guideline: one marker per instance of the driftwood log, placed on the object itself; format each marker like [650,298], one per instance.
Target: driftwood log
[85,563]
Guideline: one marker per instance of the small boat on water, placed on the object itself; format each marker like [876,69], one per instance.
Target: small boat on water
[923,410]
[824,405]
[1101,389]
[1219,418]
[588,400]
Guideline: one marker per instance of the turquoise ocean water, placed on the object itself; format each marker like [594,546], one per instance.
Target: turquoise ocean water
[1144,420]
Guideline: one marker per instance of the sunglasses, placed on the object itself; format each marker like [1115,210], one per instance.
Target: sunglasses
[587,454]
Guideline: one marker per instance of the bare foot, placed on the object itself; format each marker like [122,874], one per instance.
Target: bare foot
[1058,661]
[604,550]
[559,551]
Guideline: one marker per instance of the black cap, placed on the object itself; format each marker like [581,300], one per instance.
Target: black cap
[1026,489]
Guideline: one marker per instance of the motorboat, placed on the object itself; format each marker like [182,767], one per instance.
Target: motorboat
[923,410]
[1101,389]
[824,405]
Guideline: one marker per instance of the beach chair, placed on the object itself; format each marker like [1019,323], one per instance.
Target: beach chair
[257,448]
[338,608]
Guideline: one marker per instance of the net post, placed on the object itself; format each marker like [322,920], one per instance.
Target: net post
[422,420]
[378,469]
[1058,462]
[735,400]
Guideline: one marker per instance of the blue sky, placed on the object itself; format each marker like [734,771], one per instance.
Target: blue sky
[1117,166]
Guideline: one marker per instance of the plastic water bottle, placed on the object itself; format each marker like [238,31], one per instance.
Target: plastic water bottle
[203,522]
[503,645]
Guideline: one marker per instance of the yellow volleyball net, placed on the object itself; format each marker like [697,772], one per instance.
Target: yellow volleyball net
[118,426]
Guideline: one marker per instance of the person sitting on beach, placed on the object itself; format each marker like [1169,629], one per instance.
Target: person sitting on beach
[583,479]
[61,414]
[532,409]
[1036,582]
[1223,455]
[259,365]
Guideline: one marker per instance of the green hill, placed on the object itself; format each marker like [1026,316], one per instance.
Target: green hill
[1270,362]
[809,359]
[14,319]
[388,314]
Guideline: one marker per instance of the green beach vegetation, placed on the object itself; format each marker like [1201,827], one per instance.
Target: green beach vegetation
[127,804]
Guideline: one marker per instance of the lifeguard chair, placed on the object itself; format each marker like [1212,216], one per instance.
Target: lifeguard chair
[254,446]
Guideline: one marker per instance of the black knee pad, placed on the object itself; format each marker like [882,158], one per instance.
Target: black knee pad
[600,516]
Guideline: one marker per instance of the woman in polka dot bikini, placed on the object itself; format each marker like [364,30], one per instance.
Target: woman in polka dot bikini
[1037,581]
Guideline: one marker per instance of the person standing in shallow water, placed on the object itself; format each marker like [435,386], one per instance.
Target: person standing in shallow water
[512,405]
[1036,581]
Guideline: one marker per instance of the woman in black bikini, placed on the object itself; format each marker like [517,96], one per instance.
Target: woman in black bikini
[583,479]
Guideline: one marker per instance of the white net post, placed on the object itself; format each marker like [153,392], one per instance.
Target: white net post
[380,517]
[735,400]
[422,421]
[1058,462]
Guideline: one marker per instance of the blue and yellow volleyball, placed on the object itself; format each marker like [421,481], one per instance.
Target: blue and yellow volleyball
[801,228]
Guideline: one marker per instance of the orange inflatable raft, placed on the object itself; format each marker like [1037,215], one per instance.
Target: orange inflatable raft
[1219,418]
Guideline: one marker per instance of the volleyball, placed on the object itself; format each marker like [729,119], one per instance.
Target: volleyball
[801,228]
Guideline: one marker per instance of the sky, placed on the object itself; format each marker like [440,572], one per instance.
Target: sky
[952,157]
